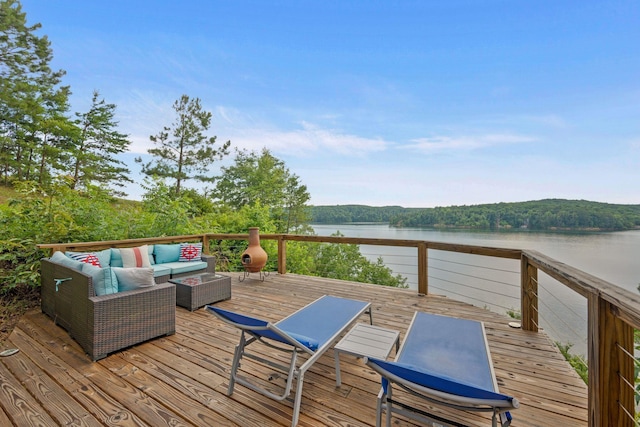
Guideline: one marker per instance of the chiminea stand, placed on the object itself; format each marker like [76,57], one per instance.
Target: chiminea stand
[262,275]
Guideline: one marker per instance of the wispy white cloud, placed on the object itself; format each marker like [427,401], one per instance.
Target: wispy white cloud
[225,114]
[140,144]
[307,140]
[465,142]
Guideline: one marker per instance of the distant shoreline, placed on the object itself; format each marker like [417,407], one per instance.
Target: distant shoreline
[555,215]
[500,230]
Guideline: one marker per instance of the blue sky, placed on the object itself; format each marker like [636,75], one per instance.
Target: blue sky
[411,103]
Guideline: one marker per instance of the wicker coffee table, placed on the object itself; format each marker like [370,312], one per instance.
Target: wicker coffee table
[193,292]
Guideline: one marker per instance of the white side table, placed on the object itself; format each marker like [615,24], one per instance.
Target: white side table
[366,340]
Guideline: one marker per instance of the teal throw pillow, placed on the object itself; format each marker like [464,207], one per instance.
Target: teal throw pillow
[166,253]
[60,258]
[103,279]
[116,258]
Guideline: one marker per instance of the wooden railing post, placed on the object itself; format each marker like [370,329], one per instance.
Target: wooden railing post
[528,295]
[611,367]
[205,245]
[423,269]
[282,255]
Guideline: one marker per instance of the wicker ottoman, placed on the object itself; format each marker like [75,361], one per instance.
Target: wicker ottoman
[196,291]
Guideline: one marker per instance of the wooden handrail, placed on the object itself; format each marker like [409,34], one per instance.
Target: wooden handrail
[613,312]
[126,243]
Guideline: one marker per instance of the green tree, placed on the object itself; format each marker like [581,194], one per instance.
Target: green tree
[54,213]
[93,153]
[264,179]
[32,105]
[345,262]
[183,151]
[168,213]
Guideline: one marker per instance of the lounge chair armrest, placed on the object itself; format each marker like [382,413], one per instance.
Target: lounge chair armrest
[438,386]
[263,329]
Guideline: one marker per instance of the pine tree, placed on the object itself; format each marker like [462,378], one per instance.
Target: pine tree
[93,152]
[183,151]
[32,105]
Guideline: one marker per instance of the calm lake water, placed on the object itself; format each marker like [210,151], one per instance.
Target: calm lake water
[495,283]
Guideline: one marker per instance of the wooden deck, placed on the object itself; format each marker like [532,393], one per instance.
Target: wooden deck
[182,379]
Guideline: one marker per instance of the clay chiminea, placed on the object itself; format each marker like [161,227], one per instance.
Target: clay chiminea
[254,258]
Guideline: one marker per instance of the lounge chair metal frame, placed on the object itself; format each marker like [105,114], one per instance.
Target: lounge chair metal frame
[494,402]
[253,330]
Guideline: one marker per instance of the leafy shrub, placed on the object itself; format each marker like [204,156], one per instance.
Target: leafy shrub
[20,264]
[345,262]
[575,361]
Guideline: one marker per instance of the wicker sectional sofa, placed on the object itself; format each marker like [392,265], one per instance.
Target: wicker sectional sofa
[102,324]
[107,323]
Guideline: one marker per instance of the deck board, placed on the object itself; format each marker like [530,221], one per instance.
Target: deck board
[182,379]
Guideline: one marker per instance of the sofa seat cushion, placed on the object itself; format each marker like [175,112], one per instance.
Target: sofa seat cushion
[160,270]
[185,267]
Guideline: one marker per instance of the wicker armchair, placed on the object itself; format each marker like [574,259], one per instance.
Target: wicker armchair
[104,324]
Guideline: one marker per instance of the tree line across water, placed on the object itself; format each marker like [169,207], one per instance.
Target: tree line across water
[539,215]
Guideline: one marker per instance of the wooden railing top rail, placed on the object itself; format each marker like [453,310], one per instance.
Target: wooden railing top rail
[106,244]
[320,239]
[452,247]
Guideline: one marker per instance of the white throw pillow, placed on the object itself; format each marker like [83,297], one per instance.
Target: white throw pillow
[135,257]
[133,278]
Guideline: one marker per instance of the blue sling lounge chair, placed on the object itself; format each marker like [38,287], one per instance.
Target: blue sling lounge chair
[312,330]
[444,360]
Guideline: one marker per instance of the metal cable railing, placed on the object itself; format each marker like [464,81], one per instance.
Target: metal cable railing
[466,296]
[483,280]
[431,258]
[554,318]
[398,263]
[634,388]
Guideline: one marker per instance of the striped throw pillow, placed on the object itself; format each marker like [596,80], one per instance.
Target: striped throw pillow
[190,252]
[97,259]
[87,258]
[135,257]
